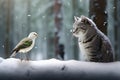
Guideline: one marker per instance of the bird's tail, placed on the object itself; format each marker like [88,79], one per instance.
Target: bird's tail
[13,54]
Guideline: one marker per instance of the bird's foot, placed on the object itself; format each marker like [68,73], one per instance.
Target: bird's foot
[21,60]
[27,59]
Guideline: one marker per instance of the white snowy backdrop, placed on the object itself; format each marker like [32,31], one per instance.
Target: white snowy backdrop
[19,17]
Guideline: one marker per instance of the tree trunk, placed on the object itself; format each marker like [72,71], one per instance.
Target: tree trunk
[58,26]
[8,24]
[98,14]
[117,28]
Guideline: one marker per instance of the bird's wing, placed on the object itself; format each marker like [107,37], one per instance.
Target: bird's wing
[24,43]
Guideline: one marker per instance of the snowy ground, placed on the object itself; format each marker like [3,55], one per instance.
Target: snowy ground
[14,69]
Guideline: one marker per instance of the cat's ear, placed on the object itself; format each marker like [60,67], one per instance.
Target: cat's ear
[76,18]
[84,19]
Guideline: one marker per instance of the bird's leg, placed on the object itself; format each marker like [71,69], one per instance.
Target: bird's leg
[21,57]
[27,57]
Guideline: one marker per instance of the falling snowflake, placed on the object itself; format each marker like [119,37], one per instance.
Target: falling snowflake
[114,7]
[43,16]
[29,15]
[45,38]
[36,47]
[3,46]
[105,23]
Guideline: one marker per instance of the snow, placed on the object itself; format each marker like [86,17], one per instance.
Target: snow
[105,12]
[80,0]
[3,46]
[104,23]
[45,38]
[53,69]
[29,15]
[96,4]
[114,7]
[93,16]
[43,17]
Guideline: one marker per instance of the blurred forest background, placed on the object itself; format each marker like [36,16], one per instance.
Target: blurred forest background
[53,20]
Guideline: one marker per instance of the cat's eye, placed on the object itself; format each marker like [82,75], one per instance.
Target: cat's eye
[83,27]
[81,23]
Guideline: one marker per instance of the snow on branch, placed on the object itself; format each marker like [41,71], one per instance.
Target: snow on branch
[14,69]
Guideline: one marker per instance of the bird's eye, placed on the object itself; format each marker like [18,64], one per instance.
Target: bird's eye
[35,34]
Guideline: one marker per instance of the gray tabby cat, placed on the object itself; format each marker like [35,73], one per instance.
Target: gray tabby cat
[94,45]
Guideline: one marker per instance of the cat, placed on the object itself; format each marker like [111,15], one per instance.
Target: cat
[94,45]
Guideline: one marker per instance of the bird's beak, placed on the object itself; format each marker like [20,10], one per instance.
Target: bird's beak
[36,35]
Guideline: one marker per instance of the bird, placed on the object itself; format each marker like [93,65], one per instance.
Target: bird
[25,45]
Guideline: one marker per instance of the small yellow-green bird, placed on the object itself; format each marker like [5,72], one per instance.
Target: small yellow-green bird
[26,44]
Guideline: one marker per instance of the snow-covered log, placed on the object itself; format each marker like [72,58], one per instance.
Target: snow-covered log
[14,69]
